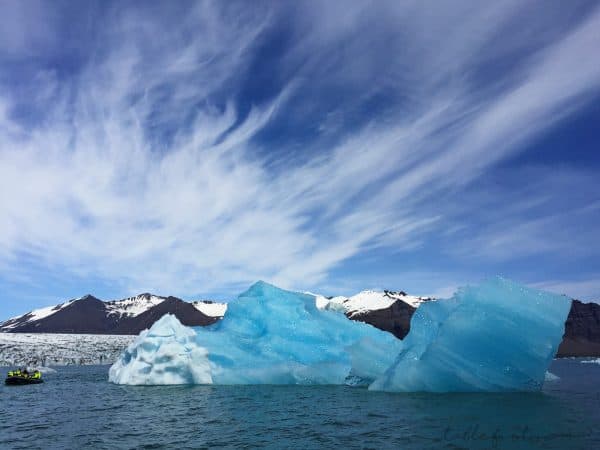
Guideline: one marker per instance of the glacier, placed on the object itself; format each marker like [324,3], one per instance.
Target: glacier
[499,336]
[54,349]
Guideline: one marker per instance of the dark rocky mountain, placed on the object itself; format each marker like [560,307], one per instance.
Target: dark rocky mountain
[89,315]
[582,331]
[186,313]
[395,318]
[75,316]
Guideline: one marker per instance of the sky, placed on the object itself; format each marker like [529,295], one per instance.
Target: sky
[192,148]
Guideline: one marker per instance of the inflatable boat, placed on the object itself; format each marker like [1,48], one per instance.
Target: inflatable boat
[18,378]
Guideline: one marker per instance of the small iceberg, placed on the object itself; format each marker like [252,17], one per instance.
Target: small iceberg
[499,336]
[549,377]
[592,361]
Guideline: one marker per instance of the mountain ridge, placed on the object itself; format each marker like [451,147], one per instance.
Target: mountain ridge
[131,315]
[387,310]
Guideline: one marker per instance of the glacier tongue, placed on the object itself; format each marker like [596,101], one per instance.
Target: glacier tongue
[50,349]
[496,337]
[165,354]
[499,336]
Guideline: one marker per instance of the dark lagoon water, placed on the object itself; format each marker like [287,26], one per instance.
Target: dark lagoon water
[77,408]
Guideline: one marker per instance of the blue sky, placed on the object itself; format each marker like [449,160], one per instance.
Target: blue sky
[191,148]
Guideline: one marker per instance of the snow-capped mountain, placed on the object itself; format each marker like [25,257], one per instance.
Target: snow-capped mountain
[366,301]
[133,306]
[89,315]
[387,310]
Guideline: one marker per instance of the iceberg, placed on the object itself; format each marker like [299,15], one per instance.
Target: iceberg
[268,336]
[165,354]
[498,336]
[592,361]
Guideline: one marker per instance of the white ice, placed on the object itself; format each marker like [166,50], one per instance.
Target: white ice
[592,361]
[166,354]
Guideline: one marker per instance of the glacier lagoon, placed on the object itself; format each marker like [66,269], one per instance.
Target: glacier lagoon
[77,408]
[498,336]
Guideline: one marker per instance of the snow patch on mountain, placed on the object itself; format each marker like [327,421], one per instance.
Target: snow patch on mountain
[133,306]
[210,308]
[35,315]
[366,301]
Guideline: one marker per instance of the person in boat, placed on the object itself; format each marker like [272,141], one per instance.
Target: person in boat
[15,373]
[23,376]
[25,373]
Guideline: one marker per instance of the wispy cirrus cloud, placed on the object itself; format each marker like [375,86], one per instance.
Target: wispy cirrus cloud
[201,147]
[585,290]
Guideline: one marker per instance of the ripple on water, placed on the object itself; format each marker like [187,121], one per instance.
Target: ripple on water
[77,408]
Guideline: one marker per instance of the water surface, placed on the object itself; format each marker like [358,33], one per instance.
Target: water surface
[78,408]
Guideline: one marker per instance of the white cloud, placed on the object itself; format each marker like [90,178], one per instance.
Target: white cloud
[584,290]
[95,191]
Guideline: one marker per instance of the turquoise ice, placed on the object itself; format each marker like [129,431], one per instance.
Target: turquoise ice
[268,336]
[273,336]
[498,336]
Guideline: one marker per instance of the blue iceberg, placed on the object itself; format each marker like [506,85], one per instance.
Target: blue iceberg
[495,337]
[268,336]
[499,336]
